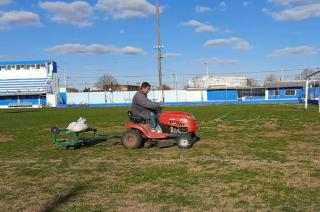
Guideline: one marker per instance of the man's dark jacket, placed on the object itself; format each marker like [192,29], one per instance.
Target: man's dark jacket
[142,106]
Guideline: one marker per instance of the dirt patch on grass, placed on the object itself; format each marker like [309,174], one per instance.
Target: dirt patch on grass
[138,206]
[294,179]
[6,138]
[311,128]
[114,129]
[229,128]
[145,186]
[276,134]
[304,151]
[270,125]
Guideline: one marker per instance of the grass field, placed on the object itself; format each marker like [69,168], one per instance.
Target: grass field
[249,158]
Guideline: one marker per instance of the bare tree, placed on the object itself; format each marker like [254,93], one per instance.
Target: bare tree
[86,89]
[303,75]
[271,78]
[253,83]
[72,90]
[166,87]
[106,82]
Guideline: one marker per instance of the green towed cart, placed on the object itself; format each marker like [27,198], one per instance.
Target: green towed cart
[70,139]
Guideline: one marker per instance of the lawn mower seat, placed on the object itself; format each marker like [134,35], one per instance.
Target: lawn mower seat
[136,119]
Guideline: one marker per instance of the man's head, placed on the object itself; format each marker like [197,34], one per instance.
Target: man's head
[145,88]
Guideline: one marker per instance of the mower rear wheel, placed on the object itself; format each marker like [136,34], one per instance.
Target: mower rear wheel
[184,142]
[131,139]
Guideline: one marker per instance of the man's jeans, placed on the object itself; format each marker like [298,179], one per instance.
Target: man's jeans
[153,120]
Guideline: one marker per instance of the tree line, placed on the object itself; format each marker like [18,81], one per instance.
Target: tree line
[107,83]
[110,83]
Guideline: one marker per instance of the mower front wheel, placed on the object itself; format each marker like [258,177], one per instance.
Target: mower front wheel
[184,142]
[131,139]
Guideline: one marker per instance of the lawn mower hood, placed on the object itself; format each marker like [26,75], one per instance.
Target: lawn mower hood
[179,119]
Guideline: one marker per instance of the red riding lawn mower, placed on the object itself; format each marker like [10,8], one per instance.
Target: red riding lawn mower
[177,128]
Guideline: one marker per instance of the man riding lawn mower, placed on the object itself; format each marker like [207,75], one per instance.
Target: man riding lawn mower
[150,126]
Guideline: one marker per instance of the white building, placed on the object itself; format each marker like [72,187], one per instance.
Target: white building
[28,83]
[212,82]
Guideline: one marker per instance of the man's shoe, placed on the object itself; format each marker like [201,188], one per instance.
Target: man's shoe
[154,130]
[159,130]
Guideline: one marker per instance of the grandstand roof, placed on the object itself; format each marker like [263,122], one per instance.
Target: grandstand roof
[285,84]
[26,62]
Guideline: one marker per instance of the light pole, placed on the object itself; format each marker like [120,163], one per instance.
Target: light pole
[110,90]
[175,85]
[207,65]
[159,50]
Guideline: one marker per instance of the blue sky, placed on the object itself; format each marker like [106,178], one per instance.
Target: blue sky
[116,37]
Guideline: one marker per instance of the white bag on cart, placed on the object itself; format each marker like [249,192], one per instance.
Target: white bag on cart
[78,126]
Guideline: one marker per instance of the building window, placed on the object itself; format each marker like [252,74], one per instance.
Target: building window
[38,66]
[290,92]
[274,92]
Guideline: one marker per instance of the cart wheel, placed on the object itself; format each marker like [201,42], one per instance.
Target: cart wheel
[55,130]
[184,142]
[131,139]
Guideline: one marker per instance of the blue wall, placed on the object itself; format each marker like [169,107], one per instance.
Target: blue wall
[222,95]
[299,94]
[314,92]
[62,98]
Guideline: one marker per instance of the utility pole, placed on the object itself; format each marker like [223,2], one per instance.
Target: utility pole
[175,85]
[174,81]
[206,63]
[65,80]
[159,51]
[282,74]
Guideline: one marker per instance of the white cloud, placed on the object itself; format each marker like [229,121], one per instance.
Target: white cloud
[243,45]
[296,13]
[125,9]
[24,18]
[201,9]
[75,13]
[294,10]
[4,2]
[131,50]
[221,41]
[222,4]
[287,2]
[293,50]
[172,54]
[239,44]
[76,49]
[215,60]
[200,27]
[245,3]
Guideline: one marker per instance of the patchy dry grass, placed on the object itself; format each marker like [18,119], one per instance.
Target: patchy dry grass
[250,158]
[6,138]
